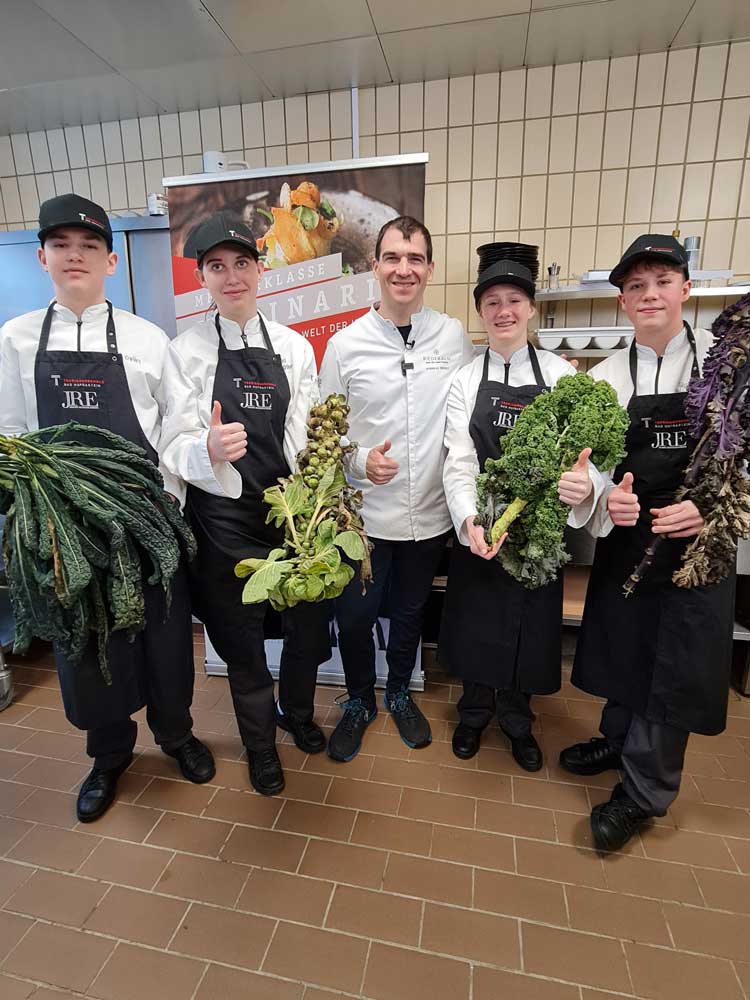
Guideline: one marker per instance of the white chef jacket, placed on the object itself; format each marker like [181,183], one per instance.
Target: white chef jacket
[189,374]
[142,345]
[671,373]
[399,393]
[461,464]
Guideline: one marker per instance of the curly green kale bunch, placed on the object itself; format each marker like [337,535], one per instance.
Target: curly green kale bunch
[517,492]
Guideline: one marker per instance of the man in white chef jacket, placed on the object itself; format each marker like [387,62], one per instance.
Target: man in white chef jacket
[394,366]
[82,359]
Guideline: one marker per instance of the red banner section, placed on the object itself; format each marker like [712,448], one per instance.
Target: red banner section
[320,331]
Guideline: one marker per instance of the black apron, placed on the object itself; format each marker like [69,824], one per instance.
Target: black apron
[92,388]
[494,631]
[664,652]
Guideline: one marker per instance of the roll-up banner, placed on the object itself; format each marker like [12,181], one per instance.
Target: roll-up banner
[315,225]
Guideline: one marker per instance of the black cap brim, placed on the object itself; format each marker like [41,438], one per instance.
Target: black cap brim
[618,273]
[240,244]
[506,279]
[44,233]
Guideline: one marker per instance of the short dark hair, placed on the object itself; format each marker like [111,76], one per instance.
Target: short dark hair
[407,226]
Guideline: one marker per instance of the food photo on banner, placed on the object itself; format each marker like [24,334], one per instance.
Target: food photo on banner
[315,227]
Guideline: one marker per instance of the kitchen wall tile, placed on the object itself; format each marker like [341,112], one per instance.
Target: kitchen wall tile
[341,114]
[22,153]
[745,194]
[45,186]
[680,76]
[559,200]
[63,182]
[193,164]
[484,163]
[81,181]
[434,297]
[412,142]
[255,158]
[366,103]
[667,191]
[411,105]
[733,129]
[673,135]
[621,86]
[318,117]
[557,249]
[508,203]
[562,153]
[565,93]
[436,104]
[512,94]
[341,149]
[40,152]
[118,192]
[75,146]
[695,191]
[717,245]
[589,144]
[486,98]
[11,199]
[538,92]
[29,197]
[652,68]
[295,116]
[150,138]
[169,129]
[367,145]
[92,137]
[299,153]
[645,142]
[136,185]
[461,100]
[741,256]
[510,149]
[386,108]
[640,193]
[482,205]
[612,196]
[273,125]
[7,166]
[252,126]
[738,79]
[388,145]
[593,85]
[231,127]
[99,186]
[320,152]
[609,246]
[131,139]
[457,258]
[435,196]
[456,303]
[438,256]
[586,198]
[617,138]
[725,190]
[536,146]
[113,148]
[533,202]
[459,153]
[173,166]
[582,249]
[276,155]
[709,78]
[704,125]
[459,207]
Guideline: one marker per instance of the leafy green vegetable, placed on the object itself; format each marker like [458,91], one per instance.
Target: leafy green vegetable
[84,508]
[319,512]
[326,209]
[308,217]
[517,492]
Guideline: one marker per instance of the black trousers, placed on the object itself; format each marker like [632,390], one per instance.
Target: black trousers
[479,703]
[404,571]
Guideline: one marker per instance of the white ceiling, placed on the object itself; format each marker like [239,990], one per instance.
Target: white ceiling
[68,62]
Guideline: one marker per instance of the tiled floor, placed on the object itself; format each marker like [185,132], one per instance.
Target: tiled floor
[404,875]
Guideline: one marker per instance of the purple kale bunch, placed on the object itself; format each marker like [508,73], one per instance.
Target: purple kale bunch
[716,480]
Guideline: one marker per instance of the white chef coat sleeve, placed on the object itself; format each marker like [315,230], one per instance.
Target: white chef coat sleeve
[305,393]
[184,434]
[13,419]
[331,380]
[461,465]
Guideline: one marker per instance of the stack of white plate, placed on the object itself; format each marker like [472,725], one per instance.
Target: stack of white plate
[579,338]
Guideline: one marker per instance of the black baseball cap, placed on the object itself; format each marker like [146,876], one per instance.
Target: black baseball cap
[504,272]
[219,228]
[73,210]
[651,246]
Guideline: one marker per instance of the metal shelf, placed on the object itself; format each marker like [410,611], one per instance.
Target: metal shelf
[582,292]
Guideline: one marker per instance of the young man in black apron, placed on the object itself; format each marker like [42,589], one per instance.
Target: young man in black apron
[662,656]
[240,390]
[500,638]
[82,359]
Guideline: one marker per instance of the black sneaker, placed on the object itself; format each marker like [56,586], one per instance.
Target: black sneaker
[410,722]
[346,739]
[590,758]
[308,736]
[613,823]
[266,774]
[195,759]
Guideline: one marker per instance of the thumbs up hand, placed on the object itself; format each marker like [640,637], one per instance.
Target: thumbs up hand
[381,469]
[576,485]
[622,503]
[226,442]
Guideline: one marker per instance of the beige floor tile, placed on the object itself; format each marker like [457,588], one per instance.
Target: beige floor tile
[473,847]
[124,821]
[346,863]
[304,785]
[221,983]
[223,936]
[559,863]
[323,958]
[189,834]
[619,916]
[134,973]
[313,820]
[492,984]
[289,897]
[141,917]
[59,956]
[62,899]
[176,796]
[551,795]
[518,821]
[437,807]
[664,974]
[126,864]
[267,848]
[375,914]
[16,989]
[699,849]
[724,890]
[478,937]
[372,796]
[47,806]
[11,832]
[519,896]
[478,784]
[405,774]
[392,833]
[723,935]
[436,880]
[12,795]
[12,929]
[321,763]
[399,974]
[11,762]
[48,847]
[12,877]
[246,807]
[578,958]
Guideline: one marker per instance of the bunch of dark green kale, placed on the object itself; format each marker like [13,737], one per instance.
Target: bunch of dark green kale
[517,492]
[716,480]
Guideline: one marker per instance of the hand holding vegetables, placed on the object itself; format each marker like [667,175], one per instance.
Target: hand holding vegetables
[225,442]
[576,485]
[622,503]
[679,520]
[381,469]
[477,541]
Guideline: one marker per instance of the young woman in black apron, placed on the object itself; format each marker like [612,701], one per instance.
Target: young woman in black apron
[501,639]
[91,386]
[255,401]
[662,656]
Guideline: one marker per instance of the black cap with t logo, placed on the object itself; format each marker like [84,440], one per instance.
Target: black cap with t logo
[71,210]
[651,246]
[219,228]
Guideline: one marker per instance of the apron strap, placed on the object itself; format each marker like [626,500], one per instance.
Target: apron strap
[535,367]
[264,334]
[633,359]
[486,365]
[47,326]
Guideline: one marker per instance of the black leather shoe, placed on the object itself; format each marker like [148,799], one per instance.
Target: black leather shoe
[413,727]
[195,759]
[466,740]
[266,774]
[98,791]
[613,823]
[308,736]
[590,758]
[527,752]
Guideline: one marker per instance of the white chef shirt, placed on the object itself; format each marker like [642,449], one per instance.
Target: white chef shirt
[461,464]
[404,405]
[671,373]
[142,345]
[189,375]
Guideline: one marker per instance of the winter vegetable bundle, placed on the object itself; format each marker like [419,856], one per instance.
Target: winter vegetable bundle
[718,409]
[84,506]
[320,515]
[517,492]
